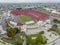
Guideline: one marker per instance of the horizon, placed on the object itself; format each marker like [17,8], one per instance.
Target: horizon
[29,1]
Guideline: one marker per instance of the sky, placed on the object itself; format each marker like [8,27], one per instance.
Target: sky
[29,1]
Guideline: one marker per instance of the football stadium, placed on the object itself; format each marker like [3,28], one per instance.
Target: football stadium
[28,16]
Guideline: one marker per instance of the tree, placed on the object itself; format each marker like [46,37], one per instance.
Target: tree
[17,30]
[55,26]
[42,32]
[28,39]
[41,39]
[56,21]
[18,39]
[12,31]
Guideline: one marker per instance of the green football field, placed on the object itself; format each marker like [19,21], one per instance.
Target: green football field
[25,18]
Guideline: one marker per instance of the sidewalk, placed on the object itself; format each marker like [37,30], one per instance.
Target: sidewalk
[4,43]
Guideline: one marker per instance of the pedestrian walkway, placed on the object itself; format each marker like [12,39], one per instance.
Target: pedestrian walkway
[4,43]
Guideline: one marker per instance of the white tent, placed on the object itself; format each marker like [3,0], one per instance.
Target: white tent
[13,23]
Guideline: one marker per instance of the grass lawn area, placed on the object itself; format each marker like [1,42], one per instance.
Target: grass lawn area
[25,18]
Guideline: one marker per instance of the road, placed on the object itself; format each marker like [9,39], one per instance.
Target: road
[3,23]
[57,40]
[24,41]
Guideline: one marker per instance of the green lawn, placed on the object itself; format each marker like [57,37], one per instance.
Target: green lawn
[25,18]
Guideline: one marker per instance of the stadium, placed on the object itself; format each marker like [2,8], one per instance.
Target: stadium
[22,16]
